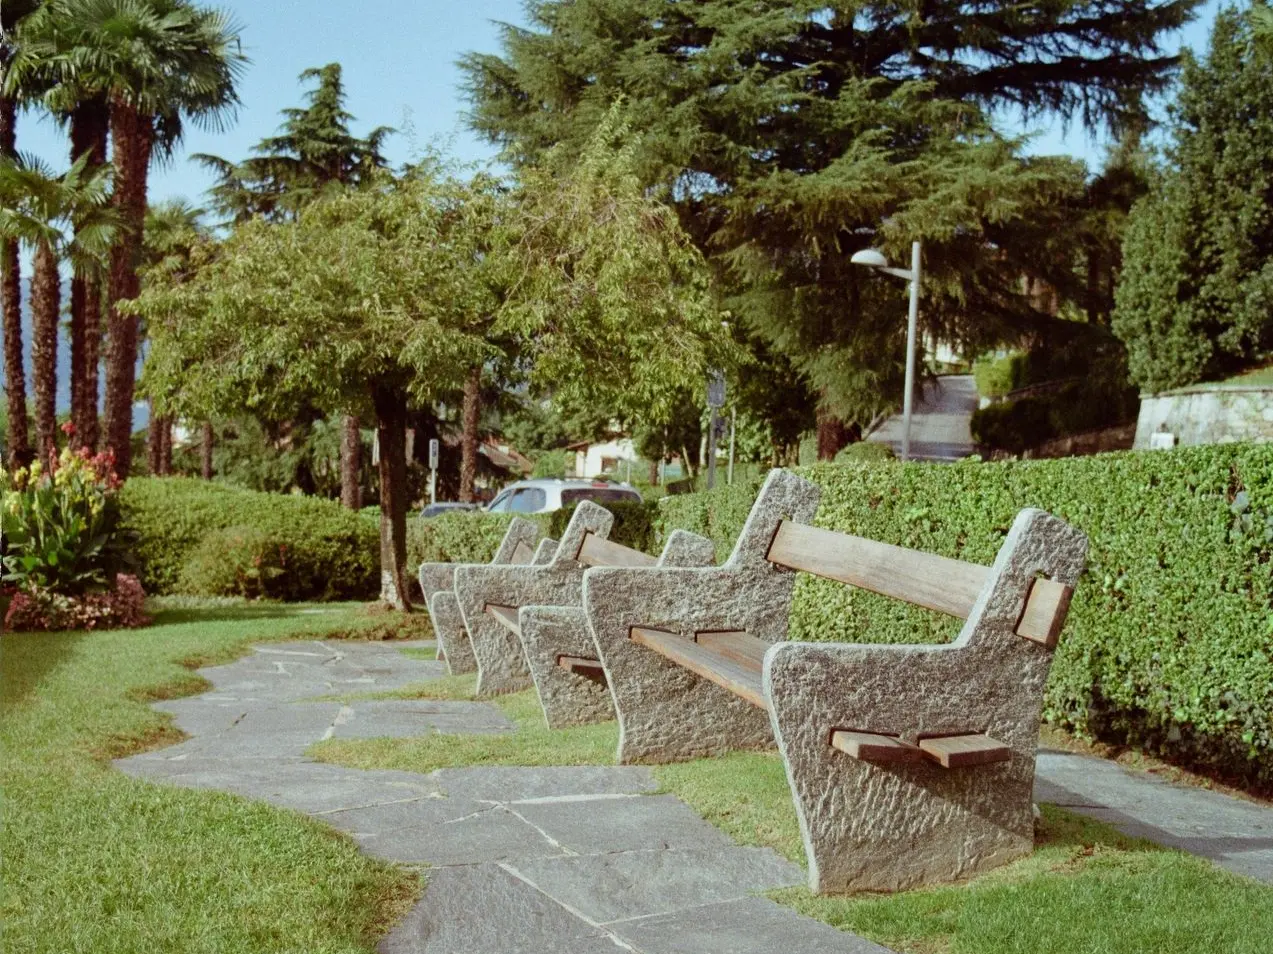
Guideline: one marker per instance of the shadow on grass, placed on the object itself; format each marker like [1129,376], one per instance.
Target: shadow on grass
[26,659]
[237,612]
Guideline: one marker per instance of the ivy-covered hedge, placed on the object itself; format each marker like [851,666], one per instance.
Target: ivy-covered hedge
[633,524]
[331,553]
[1169,642]
[457,537]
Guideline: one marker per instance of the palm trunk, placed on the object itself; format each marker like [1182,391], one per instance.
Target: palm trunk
[165,446]
[45,306]
[159,443]
[206,450]
[133,136]
[391,422]
[472,411]
[15,380]
[350,463]
[153,441]
[90,122]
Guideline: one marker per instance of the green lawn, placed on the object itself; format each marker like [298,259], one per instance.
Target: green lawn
[1085,890]
[1260,377]
[94,861]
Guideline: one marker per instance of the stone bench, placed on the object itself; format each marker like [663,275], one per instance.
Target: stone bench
[526,625]
[437,583]
[909,764]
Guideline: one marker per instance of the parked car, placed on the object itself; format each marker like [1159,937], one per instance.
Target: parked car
[545,494]
[433,509]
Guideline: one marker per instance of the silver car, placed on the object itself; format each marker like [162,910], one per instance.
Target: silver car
[544,494]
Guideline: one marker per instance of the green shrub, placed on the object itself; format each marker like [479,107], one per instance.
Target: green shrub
[864,452]
[552,463]
[995,377]
[1012,425]
[458,537]
[332,553]
[237,561]
[1170,636]
[633,524]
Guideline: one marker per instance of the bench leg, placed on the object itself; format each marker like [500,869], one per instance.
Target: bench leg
[568,698]
[890,826]
[667,713]
[453,638]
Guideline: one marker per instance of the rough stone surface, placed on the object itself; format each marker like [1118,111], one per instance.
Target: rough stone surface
[549,632]
[667,713]
[439,578]
[1217,414]
[887,827]
[501,662]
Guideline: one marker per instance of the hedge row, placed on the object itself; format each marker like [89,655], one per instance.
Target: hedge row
[1169,642]
[202,537]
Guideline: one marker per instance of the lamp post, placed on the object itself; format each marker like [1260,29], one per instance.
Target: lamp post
[873,258]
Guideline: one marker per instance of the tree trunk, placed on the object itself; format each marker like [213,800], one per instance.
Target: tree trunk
[833,435]
[654,473]
[45,307]
[391,423]
[206,450]
[132,136]
[90,122]
[154,442]
[15,380]
[350,463]
[468,439]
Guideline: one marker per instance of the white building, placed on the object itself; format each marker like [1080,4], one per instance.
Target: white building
[608,457]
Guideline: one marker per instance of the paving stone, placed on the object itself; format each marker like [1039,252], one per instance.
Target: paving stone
[633,884]
[477,833]
[1236,834]
[409,717]
[748,926]
[514,783]
[633,823]
[482,909]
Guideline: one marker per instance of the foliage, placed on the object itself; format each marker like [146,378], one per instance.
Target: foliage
[995,377]
[235,561]
[1195,300]
[1013,426]
[864,452]
[633,524]
[331,553]
[456,537]
[121,606]
[552,463]
[1170,633]
[62,528]
[790,134]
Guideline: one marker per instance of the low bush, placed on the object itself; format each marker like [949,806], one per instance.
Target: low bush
[1012,426]
[37,609]
[633,524]
[462,536]
[1169,641]
[331,553]
[995,377]
[864,452]
[238,561]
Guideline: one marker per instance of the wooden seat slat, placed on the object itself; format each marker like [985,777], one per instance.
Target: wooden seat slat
[704,662]
[507,616]
[872,747]
[523,552]
[925,579]
[747,651]
[957,751]
[598,551]
[580,664]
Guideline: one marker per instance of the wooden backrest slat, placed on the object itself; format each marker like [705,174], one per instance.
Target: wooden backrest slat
[1045,611]
[747,651]
[925,579]
[506,615]
[523,552]
[598,551]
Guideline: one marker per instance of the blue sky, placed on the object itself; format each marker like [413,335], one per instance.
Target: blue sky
[399,68]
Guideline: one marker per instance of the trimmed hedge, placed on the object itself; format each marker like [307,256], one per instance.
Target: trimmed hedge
[458,537]
[633,524]
[332,553]
[1169,642]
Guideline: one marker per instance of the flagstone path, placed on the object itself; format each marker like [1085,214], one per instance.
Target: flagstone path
[569,859]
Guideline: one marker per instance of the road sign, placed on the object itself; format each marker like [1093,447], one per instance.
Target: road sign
[716,390]
[433,453]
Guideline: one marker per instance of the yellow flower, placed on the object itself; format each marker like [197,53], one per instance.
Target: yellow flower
[35,470]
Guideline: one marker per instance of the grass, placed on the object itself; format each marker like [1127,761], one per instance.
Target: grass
[532,744]
[428,652]
[1086,889]
[97,861]
[1258,377]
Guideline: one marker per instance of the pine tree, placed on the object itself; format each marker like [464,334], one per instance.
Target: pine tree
[1195,299]
[791,133]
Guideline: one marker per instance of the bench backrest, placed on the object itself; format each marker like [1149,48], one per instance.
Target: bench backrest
[925,579]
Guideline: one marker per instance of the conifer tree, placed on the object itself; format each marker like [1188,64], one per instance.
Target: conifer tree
[790,133]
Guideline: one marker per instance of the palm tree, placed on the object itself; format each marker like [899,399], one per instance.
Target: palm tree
[157,64]
[42,210]
[19,440]
[43,39]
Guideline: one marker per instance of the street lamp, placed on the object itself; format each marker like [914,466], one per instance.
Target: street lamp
[873,258]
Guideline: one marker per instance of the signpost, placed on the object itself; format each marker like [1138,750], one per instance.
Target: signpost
[715,401]
[433,470]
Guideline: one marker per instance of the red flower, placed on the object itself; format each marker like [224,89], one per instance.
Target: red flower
[68,429]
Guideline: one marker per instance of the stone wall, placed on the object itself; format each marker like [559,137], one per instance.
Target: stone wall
[1207,415]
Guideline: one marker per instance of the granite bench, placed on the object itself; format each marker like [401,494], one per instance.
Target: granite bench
[526,625]
[437,583]
[908,764]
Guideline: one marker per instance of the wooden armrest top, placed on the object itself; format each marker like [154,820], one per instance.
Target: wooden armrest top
[507,617]
[598,551]
[704,661]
